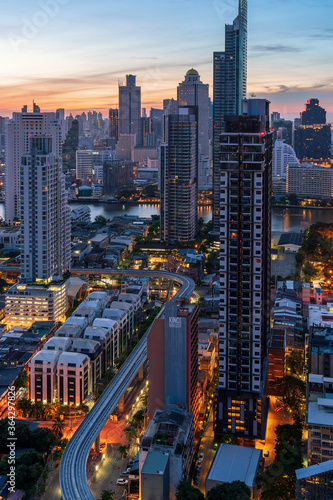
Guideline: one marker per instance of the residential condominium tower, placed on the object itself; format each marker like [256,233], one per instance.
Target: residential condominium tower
[179,176]
[230,79]
[245,237]
[45,214]
[18,132]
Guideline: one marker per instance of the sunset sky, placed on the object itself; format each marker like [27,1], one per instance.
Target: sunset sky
[72,53]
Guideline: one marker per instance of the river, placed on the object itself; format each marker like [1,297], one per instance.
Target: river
[282,219]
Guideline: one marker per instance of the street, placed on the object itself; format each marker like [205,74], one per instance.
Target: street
[274,418]
[207,448]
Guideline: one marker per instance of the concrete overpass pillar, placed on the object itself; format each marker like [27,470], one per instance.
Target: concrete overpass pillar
[140,374]
[122,404]
[98,442]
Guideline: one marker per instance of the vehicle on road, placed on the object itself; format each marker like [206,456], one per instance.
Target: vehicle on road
[121,481]
[125,473]
[266,453]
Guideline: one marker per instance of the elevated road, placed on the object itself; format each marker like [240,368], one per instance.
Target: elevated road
[73,479]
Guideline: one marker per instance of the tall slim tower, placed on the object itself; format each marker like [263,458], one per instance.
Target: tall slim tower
[195,93]
[130,108]
[179,176]
[18,131]
[45,214]
[245,229]
[230,80]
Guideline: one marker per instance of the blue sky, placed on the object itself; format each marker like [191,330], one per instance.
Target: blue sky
[71,53]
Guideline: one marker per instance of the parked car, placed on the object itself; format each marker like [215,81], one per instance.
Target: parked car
[125,473]
[266,453]
[121,481]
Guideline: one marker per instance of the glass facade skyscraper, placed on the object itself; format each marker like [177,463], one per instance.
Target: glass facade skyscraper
[230,79]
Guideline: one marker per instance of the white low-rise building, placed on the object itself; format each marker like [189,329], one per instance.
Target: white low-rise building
[42,376]
[93,349]
[58,344]
[82,322]
[101,297]
[73,378]
[106,339]
[69,331]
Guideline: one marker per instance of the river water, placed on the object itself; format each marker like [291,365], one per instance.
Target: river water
[282,219]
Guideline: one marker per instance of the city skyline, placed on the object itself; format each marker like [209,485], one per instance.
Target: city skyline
[84,53]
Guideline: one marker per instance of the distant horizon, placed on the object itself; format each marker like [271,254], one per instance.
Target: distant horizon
[73,54]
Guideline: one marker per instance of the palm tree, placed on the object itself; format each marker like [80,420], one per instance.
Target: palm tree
[58,426]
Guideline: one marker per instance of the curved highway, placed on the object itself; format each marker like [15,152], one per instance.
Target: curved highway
[73,479]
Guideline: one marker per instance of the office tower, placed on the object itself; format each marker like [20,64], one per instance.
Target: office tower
[179,168]
[313,137]
[69,148]
[45,214]
[313,113]
[156,116]
[18,132]
[283,130]
[113,123]
[245,229]
[195,93]
[230,79]
[283,155]
[172,348]
[130,108]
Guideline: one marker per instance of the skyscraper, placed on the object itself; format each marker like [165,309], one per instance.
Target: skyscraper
[130,108]
[172,347]
[179,176]
[45,236]
[313,137]
[230,80]
[245,228]
[195,93]
[19,129]
[113,123]
[45,214]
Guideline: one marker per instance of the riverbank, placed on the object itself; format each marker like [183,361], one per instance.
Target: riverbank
[306,207]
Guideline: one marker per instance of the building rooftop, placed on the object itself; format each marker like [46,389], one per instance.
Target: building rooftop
[72,357]
[155,463]
[314,470]
[235,463]
[192,72]
[291,239]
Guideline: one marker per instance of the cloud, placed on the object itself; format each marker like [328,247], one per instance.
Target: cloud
[275,48]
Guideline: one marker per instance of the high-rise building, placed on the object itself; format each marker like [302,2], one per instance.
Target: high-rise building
[69,148]
[18,132]
[313,113]
[283,155]
[230,80]
[179,168]
[245,236]
[130,108]
[45,214]
[173,359]
[113,123]
[195,93]
[313,137]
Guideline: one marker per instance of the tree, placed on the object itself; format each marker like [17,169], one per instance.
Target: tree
[99,219]
[24,405]
[229,439]
[107,495]
[58,426]
[187,492]
[291,391]
[123,450]
[42,438]
[22,380]
[278,481]
[295,363]
[230,491]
